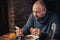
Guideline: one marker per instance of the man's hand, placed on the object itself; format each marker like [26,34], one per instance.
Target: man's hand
[35,31]
[19,31]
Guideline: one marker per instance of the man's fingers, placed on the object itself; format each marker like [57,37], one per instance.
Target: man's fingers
[19,31]
[35,31]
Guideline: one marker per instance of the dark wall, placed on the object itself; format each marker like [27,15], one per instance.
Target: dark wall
[22,11]
[3,17]
[51,5]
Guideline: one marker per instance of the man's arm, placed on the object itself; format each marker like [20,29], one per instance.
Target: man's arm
[57,22]
[28,25]
[55,19]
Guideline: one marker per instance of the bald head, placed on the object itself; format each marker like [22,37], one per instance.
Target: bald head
[39,9]
[39,3]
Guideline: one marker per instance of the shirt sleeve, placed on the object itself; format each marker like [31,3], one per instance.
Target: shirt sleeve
[28,25]
[57,22]
[55,19]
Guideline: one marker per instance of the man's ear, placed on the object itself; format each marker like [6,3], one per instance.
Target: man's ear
[31,29]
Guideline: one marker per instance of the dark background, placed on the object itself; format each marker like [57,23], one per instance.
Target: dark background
[22,10]
[3,17]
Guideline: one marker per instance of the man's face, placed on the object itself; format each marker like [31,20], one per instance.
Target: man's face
[38,11]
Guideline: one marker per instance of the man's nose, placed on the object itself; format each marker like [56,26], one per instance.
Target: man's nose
[35,14]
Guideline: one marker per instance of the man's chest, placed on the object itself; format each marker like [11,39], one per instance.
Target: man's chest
[43,26]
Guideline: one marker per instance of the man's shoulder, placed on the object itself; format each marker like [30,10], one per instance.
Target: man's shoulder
[52,14]
[54,17]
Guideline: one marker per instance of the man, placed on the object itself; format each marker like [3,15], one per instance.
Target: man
[42,20]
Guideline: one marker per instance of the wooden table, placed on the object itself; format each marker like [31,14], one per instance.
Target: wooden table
[8,36]
[5,37]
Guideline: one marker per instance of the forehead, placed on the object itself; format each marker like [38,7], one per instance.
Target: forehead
[37,7]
